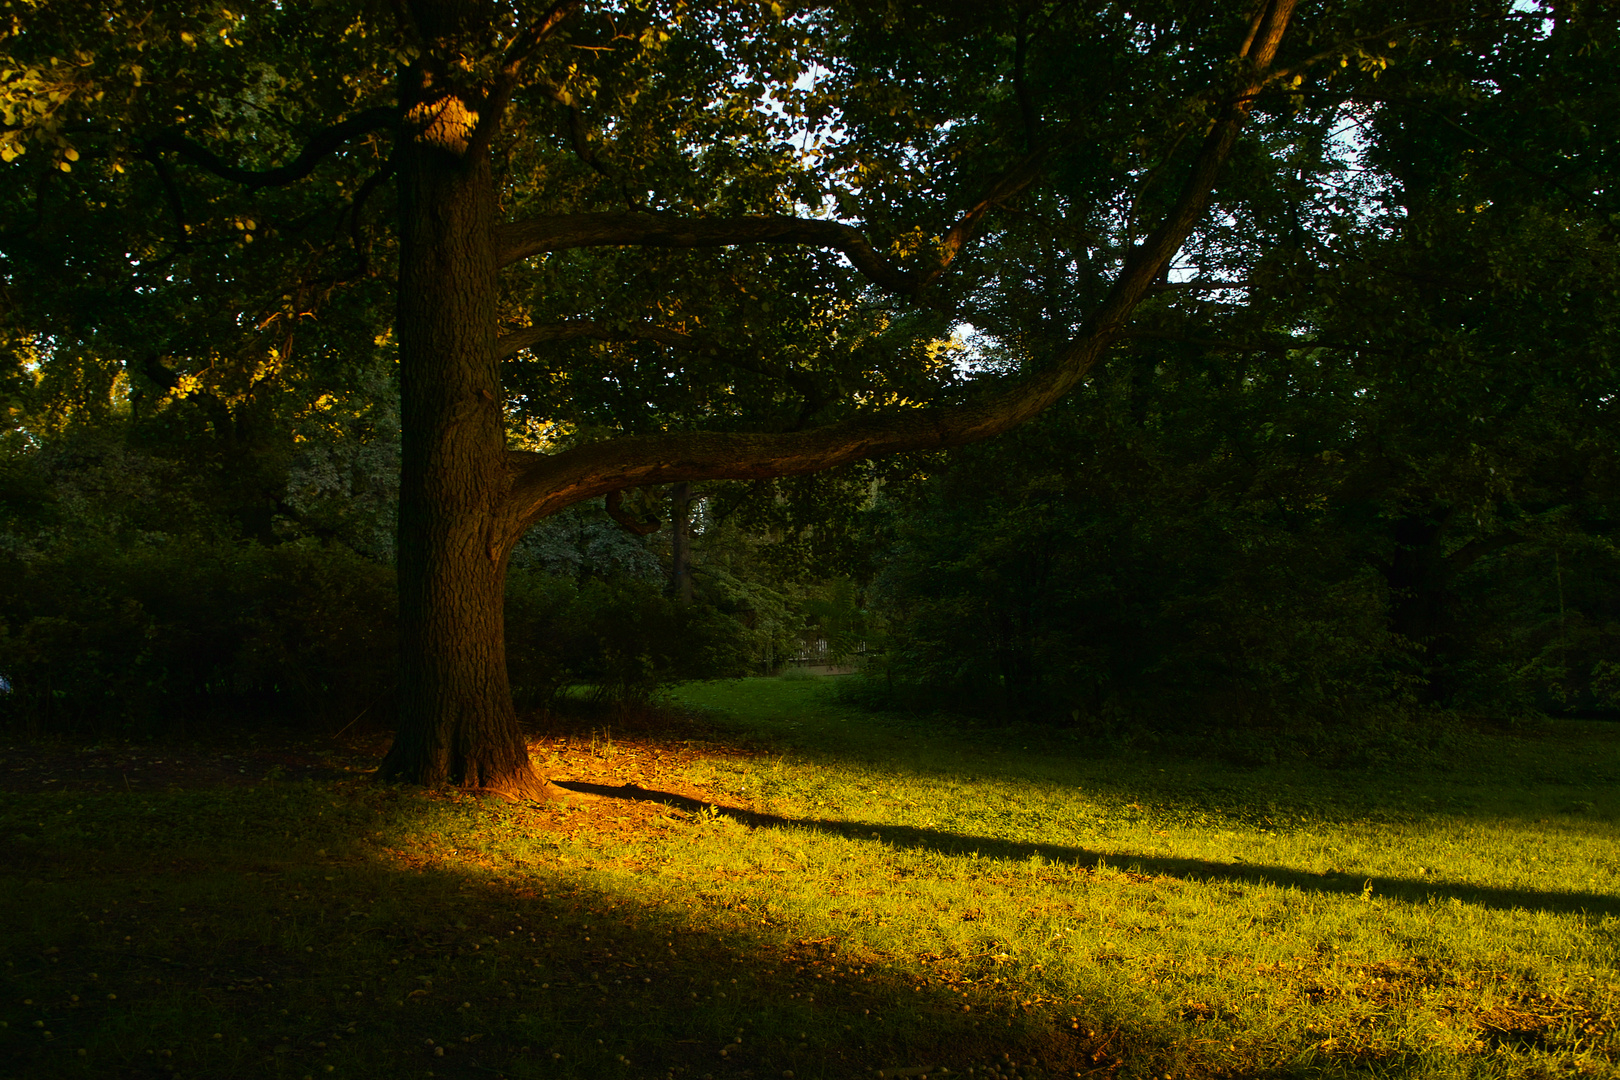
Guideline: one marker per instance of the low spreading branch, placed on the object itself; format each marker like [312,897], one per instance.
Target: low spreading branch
[562,232]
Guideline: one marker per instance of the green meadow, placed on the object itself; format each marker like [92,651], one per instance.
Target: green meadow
[792,888]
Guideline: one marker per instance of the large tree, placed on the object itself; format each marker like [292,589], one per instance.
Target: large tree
[800,187]
[466,498]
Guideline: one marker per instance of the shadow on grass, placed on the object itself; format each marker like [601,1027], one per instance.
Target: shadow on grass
[219,953]
[949,843]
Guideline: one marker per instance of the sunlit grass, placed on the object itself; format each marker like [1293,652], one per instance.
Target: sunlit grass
[872,894]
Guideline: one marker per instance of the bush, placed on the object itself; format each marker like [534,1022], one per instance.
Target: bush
[542,635]
[127,605]
[104,639]
[620,637]
[1066,574]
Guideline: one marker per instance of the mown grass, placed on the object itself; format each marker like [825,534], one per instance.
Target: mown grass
[874,894]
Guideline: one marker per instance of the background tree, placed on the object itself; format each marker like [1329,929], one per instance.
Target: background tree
[1355,466]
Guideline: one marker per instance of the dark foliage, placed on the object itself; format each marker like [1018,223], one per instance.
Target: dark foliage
[620,637]
[157,637]
[129,604]
[1082,572]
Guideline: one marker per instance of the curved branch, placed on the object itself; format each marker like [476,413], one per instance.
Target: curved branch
[616,511]
[10,236]
[515,59]
[1475,550]
[579,138]
[520,240]
[1336,50]
[325,142]
[1260,50]
[152,367]
[561,232]
[357,208]
[171,194]
[1026,104]
[1580,198]
[542,484]
[1005,186]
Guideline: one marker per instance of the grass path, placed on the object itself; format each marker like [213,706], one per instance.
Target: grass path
[794,889]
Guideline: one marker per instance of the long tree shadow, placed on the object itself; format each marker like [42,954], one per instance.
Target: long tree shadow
[1529,776]
[950,843]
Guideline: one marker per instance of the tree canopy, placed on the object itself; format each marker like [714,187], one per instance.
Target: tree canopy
[607,246]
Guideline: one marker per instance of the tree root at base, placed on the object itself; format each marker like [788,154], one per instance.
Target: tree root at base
[520,786]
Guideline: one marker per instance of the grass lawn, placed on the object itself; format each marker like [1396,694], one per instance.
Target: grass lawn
[787,888]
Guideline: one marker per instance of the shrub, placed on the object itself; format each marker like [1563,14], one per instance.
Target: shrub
[620,637]
[103,639]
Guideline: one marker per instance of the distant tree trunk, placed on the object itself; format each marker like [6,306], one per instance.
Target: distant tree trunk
[680,542]
[1419,579]
[457,724]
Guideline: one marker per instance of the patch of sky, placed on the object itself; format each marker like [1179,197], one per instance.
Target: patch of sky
[1540,13]
[974,353]
[1365,194]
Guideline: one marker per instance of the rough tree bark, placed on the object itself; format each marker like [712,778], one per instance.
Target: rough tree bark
[466,500]
[457,724]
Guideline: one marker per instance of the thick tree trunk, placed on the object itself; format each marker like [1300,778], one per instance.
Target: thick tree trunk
[457,724]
